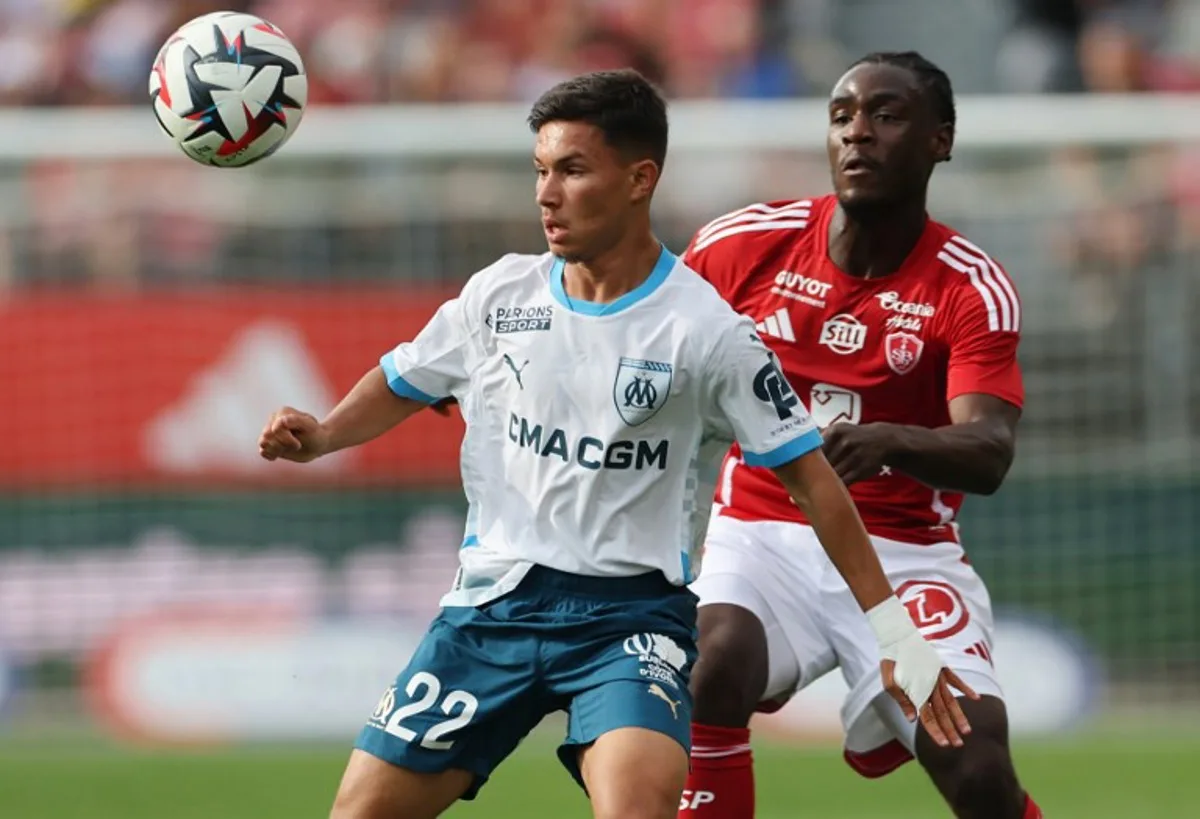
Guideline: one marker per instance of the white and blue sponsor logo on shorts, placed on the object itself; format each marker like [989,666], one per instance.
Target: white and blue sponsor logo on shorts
[659,657]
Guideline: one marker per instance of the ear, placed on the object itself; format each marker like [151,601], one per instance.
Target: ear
[943,142]
[643,178]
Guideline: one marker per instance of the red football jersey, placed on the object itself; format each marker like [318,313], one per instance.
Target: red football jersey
[894,349]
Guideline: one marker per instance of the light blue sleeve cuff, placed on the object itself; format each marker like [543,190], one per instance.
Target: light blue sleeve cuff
[790,451]
[401,387]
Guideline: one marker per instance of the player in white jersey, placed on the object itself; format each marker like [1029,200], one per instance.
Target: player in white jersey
[588,378]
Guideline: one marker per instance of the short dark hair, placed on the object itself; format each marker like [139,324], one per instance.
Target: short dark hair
[623,104]
[933,80]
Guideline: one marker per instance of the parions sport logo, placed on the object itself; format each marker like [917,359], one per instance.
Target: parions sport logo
[521,319]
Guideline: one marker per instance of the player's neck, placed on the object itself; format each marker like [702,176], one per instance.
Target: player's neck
[875,243]
[615,272]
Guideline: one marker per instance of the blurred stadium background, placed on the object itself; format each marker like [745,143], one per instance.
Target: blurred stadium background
[184,633]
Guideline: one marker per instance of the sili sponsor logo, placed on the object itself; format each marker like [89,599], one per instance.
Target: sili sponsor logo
[844,334]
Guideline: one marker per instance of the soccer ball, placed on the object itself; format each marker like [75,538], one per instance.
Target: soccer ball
[228,88]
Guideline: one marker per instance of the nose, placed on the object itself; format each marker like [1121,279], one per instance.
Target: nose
[858,130]
[549,191]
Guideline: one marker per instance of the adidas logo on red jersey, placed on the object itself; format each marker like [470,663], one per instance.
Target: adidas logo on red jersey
[777,325]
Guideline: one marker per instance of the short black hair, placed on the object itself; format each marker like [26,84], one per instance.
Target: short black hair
[627,108]
[933,80]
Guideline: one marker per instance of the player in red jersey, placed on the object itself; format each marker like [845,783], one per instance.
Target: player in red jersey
[901,336]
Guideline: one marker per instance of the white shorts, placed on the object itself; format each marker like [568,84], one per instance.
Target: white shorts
[780,572]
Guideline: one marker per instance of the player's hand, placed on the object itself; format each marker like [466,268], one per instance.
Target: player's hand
[857,451]
[940,712]
[914,675]
[293,436]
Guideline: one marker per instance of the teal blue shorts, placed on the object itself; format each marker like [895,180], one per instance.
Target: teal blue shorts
[611,652]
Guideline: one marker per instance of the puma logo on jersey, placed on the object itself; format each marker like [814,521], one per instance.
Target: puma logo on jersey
[777,325]
[516,371]
[656,690]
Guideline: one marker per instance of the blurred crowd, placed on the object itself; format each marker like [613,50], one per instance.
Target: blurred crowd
[1144,203]
[1124,209]
[98,51]
[361,51]
[1101,46]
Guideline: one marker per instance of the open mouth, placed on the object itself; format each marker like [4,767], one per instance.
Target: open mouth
[858,165]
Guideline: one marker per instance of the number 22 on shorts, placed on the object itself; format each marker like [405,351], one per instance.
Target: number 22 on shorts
[425,689]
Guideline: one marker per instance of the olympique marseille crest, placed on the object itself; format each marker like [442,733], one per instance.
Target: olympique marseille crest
[640,389]
[903,351]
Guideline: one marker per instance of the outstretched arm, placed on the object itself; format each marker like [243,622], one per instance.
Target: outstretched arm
[815,487]
[370,409]
[415,374]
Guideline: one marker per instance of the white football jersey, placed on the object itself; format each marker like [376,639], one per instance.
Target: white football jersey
[584,420]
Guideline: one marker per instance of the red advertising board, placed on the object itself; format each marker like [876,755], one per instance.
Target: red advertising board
[174,388]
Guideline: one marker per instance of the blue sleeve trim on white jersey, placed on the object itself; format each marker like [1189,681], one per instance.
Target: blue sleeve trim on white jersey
[401,387]
[790,451]
[469,541]
[662,269]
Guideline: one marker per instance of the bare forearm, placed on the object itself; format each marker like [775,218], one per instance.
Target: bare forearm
[823,498]
[368,410]
[972,457]
[910,666]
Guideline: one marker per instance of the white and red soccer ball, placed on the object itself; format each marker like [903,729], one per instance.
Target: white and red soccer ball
[228,88]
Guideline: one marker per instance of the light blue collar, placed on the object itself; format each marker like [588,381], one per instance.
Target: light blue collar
[662,269]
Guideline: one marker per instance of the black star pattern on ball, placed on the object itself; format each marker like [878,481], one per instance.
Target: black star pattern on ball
[205,110]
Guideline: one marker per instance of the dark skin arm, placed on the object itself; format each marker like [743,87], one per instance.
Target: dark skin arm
[970,455]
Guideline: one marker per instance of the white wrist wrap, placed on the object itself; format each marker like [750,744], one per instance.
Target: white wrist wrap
[917,663]
[891,624]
